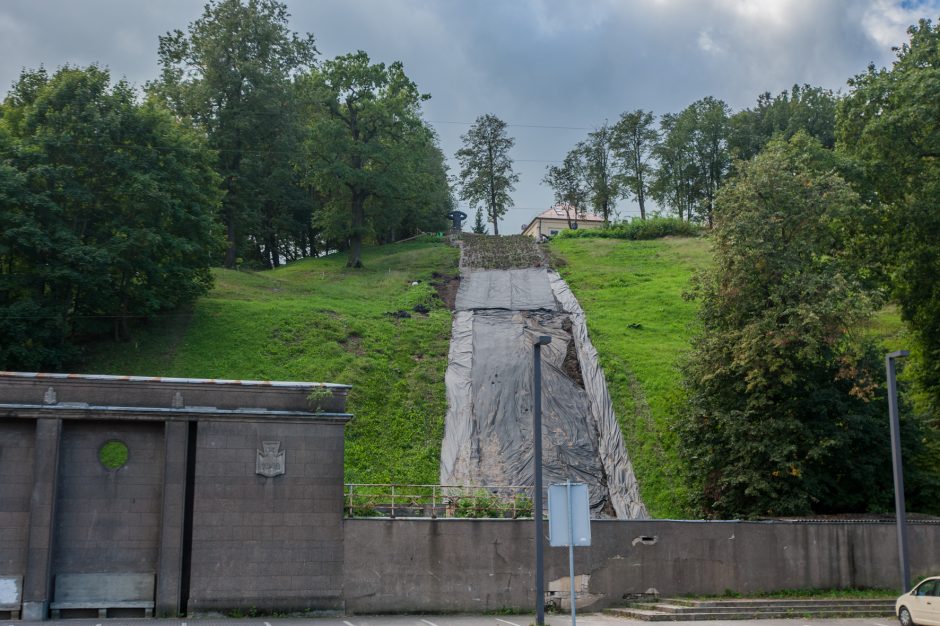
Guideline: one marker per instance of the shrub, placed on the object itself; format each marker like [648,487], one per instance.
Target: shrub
[653,228]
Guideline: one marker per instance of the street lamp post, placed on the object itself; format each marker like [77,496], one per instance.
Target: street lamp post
[543,340]
[897,467]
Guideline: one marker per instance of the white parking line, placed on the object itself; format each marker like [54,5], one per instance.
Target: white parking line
[267,624]
[506,621]
[349,623]
[879,624]
[429,623]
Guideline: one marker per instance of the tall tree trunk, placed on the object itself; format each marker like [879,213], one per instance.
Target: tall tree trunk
[273,255]
[492,175]
[355,241]
[311,238]
[230,252]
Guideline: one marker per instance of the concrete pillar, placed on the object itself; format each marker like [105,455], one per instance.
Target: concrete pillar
[37,583]
[170,557]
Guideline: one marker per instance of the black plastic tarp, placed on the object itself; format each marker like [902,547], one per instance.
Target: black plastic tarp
[488,429]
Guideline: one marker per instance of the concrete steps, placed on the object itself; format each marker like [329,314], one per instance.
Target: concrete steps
[683,609]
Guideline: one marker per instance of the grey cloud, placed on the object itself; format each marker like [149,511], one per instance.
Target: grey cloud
[539,62]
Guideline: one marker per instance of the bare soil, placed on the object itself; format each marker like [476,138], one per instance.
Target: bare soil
[446,288]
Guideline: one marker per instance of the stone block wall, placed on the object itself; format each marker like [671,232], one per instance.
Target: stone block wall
[268,542]
[188,505]
[17,444]
[108,520]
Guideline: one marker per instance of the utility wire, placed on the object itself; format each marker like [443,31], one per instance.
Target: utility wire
[248,151]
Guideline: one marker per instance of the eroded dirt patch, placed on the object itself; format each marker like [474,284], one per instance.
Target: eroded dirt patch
[446,288]
[571,364]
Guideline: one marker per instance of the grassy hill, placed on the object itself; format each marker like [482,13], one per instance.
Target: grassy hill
[316,320]
[632,292]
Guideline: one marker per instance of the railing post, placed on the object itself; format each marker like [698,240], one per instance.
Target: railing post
[393,501]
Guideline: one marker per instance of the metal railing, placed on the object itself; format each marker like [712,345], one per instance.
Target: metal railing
[437,501]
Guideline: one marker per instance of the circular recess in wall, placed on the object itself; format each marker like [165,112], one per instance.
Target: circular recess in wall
[113,454]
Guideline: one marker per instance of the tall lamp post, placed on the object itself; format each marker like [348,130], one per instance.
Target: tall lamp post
[898,469]
[542,340]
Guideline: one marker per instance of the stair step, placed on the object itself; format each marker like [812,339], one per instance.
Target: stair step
[759,608]
[749,602]
[660,616]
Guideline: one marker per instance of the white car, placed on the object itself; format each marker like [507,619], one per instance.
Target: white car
[921,605]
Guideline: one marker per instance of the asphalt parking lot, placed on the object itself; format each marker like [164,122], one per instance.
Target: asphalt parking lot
[588,619]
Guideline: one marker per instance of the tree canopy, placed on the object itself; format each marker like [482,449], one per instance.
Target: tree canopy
[784,414]
[371,157]
[804,107]
[569,184]
[890,124]
[107,213]
[230,75]
[634,140]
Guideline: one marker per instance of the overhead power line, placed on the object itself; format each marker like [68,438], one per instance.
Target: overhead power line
[514,125]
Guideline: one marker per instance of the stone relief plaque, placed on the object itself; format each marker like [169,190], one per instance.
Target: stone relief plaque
[270,459]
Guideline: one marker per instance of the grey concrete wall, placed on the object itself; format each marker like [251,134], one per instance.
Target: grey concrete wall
[17,446]
[108,520]
[270,543]
[476,565]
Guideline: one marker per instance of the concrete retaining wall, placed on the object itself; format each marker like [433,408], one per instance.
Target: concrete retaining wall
[263,543]
[108,520]
[231,494]
[17,444]
[485,565]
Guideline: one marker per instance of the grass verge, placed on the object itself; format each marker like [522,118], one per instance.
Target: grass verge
[316,320]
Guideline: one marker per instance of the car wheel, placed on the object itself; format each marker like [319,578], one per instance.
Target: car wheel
[904,616]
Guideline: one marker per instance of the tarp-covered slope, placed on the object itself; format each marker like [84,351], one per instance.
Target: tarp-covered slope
[488,429]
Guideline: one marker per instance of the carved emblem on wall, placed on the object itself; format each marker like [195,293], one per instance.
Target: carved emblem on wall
[270,459]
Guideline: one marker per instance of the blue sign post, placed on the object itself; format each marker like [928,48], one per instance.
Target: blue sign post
[569,524]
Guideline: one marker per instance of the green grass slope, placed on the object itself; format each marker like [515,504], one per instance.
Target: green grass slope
[631,292]
[641,326]
[316,320]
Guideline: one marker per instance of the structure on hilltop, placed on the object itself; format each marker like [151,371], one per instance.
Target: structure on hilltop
[552,221]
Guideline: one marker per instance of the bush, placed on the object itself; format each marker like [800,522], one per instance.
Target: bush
[653,228]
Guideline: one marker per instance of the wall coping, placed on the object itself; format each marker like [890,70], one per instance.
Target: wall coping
[160,397]
[166,379]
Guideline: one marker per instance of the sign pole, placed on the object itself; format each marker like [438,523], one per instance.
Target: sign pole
[569,524]
[543,340]
[571,551]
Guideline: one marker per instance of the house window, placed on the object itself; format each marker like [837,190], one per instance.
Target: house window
[553,232]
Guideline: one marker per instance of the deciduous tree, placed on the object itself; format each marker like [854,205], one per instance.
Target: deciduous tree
[807,108]
[230,75]
[486,174]
[634,141]
[369,151]
[107,211]
[784,416]
[890,123]
[569,184]
[604,182]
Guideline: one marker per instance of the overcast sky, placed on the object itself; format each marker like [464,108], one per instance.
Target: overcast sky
[553,69]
